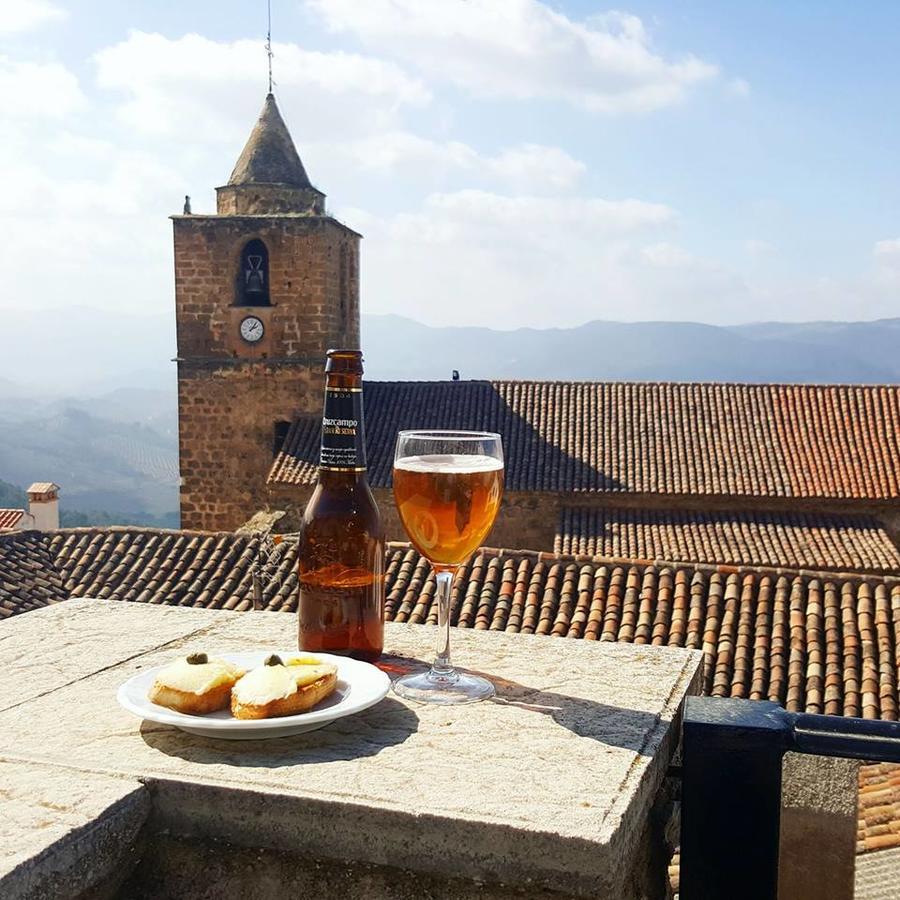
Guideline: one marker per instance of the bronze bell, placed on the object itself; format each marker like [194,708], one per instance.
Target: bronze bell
[253,276]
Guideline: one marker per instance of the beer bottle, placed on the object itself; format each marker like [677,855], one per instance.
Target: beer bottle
[341,548]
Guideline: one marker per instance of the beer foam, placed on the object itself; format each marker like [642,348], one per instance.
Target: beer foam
[449,463]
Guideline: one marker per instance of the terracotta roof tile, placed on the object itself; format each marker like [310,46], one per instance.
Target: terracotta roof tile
[42,487]
[759,440]
[879,807]
[10,518]
[28,577]
[180,568]
[825,643]
[845,543]
[820,642]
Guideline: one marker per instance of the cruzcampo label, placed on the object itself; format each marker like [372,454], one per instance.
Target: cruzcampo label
[343,435]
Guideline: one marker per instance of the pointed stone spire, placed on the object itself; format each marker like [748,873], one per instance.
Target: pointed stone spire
[269,156]
[269,176]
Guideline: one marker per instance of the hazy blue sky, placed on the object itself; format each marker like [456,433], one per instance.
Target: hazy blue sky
[508,161]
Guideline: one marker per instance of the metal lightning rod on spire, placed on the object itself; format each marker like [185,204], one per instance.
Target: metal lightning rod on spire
[269,42]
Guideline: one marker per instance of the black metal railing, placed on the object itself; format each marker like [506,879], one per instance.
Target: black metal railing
[731,787]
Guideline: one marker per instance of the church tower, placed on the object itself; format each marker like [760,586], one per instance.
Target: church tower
[262,290]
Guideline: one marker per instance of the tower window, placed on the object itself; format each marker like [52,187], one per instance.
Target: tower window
[279,435]
[252,287]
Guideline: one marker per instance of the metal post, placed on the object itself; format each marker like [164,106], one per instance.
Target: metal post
[731,787]
[731,799]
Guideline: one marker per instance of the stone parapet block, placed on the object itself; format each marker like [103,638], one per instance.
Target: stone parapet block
[65,832]
[549,788]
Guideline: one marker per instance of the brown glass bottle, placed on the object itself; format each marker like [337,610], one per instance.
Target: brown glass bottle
[341,550]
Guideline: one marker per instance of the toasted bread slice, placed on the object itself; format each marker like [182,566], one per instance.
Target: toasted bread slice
[189,702]
[272,691]
[195,685]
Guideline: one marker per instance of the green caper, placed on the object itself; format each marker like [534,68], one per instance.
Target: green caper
[197,659]
[273,660]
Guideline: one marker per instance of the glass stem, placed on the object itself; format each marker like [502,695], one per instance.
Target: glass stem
[442,665]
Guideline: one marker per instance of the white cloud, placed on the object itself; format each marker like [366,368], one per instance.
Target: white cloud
[506,261]
[523,49]
[201,91]
[539,217]
[665,255]
[481,258]
[208,91]
[887,252]
[37,90]
[396,151]
[532,168]
[100,238]
[537,167]
[85,209]
[17,16]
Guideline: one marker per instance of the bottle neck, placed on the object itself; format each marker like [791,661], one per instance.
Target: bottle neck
[343,447]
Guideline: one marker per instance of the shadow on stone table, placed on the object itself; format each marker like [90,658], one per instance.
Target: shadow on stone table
[614,726]
[365,734]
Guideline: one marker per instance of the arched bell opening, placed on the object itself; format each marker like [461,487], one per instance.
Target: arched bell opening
[252,287]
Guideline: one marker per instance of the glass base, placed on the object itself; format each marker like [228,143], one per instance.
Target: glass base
[444,688]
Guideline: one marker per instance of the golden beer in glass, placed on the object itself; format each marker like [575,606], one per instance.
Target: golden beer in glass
[447,486]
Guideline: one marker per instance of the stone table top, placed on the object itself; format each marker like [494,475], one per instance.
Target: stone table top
[551,783]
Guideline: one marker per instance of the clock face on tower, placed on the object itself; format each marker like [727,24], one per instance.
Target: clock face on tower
[252,329]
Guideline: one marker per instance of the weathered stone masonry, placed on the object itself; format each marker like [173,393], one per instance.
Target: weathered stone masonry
[232,394]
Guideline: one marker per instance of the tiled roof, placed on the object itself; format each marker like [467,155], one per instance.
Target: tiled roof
[9,518]
[28,576]
[760,440]
[793,540]
[825,643]
[819,643]
[879,807]
[42,487]
[179,568]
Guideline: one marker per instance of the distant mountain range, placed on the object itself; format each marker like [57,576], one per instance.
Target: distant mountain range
[81,352]
[398,349]
[101,464]
[115,455]
[88,398]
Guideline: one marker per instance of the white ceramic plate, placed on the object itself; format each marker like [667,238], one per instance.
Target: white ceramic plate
[360,685]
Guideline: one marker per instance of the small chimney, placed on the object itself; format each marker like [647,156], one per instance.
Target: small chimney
[455,375]
[43,505]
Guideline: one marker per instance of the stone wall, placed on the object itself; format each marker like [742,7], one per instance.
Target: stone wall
[314,304]
[890,517]
[264,199]
[818,828]
[226,429]
[526,520]
[231,393]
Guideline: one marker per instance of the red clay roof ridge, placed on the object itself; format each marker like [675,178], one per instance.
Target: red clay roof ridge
[709,568]
[631,383]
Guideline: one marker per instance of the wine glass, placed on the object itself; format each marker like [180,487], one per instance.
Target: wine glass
[447,486]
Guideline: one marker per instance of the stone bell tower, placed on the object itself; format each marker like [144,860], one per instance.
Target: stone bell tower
[262,290]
